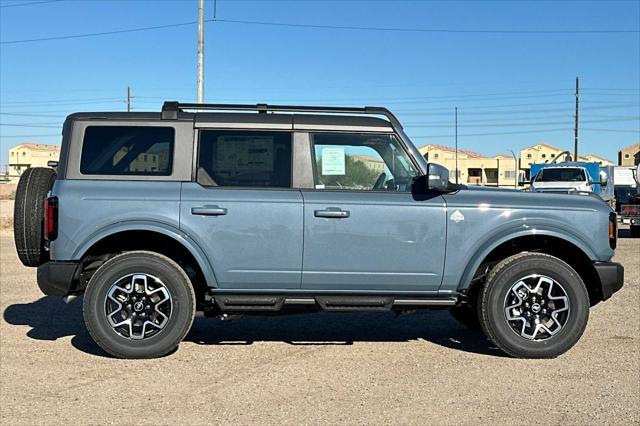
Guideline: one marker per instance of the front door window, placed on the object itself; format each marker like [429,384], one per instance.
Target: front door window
[361,162]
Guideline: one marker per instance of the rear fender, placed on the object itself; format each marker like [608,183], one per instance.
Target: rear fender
[159,227]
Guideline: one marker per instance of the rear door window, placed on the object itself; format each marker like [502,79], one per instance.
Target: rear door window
[244,159]
[128,150]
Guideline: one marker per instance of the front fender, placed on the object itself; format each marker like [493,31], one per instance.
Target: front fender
[152,226]
[509,233]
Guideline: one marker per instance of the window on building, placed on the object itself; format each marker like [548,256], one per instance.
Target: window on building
[435,155]
[553,155]
[509,174]
[528,155]
[123,150]
[544,155]
[24,153]
[626,156]
[245,159]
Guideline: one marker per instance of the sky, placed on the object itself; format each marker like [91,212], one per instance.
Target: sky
[512,89]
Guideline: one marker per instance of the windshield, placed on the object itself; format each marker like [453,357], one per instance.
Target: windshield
[565,174]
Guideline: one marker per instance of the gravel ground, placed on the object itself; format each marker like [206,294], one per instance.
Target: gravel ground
[320,368]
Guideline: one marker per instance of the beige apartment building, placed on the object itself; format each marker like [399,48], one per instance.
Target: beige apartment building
[629,156]
[473,168]
[26,155]
[372,163]
[592,158]
[545,153]
[499,170]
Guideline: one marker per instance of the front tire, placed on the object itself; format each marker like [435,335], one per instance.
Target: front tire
[139,304]
[534,305]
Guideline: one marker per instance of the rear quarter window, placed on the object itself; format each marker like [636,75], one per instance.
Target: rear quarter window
[127,150]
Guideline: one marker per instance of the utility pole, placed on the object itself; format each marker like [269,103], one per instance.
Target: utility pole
[128,99]
[456,121]
[575,129]
[517,169]
[200,97]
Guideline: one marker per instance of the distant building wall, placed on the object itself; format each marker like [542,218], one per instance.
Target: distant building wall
[26,155]
[629,156]
[473,168]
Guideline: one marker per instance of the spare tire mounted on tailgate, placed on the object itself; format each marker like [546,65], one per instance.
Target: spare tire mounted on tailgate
[28,215]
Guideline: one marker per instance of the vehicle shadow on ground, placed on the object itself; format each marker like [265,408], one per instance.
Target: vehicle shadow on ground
[330,328]
[51,319]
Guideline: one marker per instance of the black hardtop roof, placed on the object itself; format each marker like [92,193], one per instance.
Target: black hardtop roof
[260,114]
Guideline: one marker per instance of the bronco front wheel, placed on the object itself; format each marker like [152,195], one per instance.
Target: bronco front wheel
[534,306]
[139,305]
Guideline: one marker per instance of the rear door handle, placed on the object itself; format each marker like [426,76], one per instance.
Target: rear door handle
[332,212]
[208,211]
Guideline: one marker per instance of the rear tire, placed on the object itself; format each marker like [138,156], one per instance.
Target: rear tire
[534,306]
[28,215]
[139,304]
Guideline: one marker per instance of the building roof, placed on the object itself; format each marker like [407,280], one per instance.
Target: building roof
[368,158]
[632,146]
[36,147]
[450,149]
[599,157]
[546,145]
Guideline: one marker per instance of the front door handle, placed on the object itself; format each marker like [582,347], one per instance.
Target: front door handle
[208,211]
[330,212]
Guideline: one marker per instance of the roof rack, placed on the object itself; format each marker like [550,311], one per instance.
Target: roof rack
[170,109]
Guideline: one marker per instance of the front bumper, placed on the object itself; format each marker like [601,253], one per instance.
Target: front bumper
[611,276]
[57,278]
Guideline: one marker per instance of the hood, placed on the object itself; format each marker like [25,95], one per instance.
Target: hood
[507,197]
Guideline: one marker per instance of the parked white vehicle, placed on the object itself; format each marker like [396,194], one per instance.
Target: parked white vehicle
[562,179]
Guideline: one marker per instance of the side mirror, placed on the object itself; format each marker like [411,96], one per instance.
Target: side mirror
[603,178]
[436,179]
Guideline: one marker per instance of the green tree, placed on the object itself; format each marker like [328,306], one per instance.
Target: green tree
[357,175]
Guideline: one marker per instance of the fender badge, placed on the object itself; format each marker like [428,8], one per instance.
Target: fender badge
[457,216]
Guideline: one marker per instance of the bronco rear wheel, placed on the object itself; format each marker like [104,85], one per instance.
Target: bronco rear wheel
[534,306]
[28,215]
[139,305]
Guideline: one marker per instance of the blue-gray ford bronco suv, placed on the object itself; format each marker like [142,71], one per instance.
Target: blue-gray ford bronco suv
[255,209]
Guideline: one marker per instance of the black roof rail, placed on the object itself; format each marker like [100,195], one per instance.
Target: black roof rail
[170,109]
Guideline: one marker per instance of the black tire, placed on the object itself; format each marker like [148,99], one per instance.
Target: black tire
[634,230]
[494,299]
[180,319]
[28,215]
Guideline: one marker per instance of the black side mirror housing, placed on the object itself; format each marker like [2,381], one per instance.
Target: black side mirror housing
[435,180]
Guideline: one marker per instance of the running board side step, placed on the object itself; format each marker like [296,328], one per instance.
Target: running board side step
[355,303]
[261,302]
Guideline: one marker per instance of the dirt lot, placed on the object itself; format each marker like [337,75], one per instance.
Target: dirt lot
[321,368]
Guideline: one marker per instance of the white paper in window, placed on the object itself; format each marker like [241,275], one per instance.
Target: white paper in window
[333,161]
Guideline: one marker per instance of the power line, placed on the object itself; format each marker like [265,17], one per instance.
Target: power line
[32,3]
[52,126]
[129,30]
[29,136]
[566,129]
[324,26]
[420,30]
[530,123]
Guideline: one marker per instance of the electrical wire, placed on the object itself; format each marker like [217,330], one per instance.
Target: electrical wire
[323,26]
[421,30]
[32,3]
